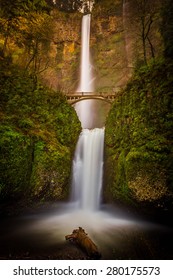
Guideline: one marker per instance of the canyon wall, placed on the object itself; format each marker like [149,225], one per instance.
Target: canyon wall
[107,44]
[118,43]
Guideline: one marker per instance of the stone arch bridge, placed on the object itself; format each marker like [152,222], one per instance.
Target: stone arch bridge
[73,98]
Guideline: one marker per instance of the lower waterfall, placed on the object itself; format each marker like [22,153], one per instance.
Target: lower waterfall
[87,171]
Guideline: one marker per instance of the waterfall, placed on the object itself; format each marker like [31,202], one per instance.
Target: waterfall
[86,83]
[88,169]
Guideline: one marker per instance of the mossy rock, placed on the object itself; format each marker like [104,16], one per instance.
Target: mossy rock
[51,171]
[115,179]
[39,131]
[138,138]
[146,178]
[15,163]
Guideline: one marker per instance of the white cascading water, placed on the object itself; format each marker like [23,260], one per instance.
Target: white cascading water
[88,169]
[86,83]
[88,160]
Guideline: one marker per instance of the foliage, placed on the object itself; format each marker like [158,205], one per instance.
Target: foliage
[38,128]
[15,163]
[12,9]
[67,5]
[34,38]
[139,126]
[23,23]
[144,21]
[36,151]
[107,8]
[167,27]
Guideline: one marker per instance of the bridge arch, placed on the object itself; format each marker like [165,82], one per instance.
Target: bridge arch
[77,97]
[90,98]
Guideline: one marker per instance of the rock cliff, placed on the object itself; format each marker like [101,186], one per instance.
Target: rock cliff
[107,44]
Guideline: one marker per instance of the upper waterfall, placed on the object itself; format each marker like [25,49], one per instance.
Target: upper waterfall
[86,83]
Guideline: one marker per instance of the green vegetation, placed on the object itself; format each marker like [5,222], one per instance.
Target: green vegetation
[38,128]
[108,8]
[38,135]
[139,155]
[167,28]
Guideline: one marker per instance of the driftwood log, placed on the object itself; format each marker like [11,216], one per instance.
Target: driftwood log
[81,238]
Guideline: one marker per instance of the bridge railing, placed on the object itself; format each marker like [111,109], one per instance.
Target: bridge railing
[87,93]
[84,94]
[72,97]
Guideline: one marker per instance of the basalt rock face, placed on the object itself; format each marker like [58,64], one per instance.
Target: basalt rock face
[117,44]
[108,47]
[107,44]
[64,54]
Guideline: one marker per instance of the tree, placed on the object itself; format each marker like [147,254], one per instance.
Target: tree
[145,14]
[167,28]
[35,39]
[11,13]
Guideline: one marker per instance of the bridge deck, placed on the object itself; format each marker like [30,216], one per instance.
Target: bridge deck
[79,96]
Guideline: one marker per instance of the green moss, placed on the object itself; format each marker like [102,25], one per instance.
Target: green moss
[39,131]
[146,177]
[139,127]
[15,162]
[120,177]
[51,169]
